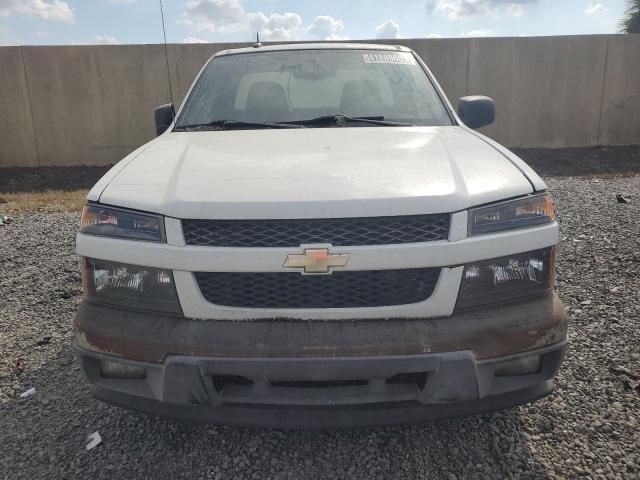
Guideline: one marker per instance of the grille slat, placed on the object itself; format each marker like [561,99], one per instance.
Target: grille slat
[373,288]
[336,231]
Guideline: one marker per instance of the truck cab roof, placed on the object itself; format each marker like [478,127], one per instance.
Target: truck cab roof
[313,46]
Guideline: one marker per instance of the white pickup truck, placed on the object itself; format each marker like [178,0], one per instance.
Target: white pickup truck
[317,238]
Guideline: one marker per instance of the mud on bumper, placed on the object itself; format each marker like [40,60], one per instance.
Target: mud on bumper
[324,374]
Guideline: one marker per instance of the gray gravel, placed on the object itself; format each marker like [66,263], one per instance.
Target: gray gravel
[589,427]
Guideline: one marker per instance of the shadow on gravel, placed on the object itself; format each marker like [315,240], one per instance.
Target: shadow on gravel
[557,162]
[40,179]
[44,437]
[588,161]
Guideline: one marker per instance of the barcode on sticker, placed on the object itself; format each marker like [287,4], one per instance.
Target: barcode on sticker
[397,58]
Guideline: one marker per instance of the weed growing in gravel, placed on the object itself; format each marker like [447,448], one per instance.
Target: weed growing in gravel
[49,201]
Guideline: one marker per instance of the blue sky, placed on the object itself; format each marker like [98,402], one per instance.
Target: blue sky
[47,22]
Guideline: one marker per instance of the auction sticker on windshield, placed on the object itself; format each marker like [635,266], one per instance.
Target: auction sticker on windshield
[397,58]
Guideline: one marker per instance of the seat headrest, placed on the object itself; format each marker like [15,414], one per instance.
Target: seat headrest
[267,102]
[361,98]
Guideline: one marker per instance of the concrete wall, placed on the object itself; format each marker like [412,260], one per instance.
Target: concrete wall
[94,104]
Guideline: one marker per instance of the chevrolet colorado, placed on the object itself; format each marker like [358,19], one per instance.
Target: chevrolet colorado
[317,238]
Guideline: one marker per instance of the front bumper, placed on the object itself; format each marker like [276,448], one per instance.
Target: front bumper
[456,384]
[323,373]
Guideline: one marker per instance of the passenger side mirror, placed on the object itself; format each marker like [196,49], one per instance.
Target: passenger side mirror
[163,116]
[477,111]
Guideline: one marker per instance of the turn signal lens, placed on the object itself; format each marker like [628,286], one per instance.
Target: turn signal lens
[130,286]
[119,223]
[519,213]
[506,278]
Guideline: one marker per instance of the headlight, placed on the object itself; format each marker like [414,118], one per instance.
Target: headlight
[116,222]
[519,213]
[130,286]
[506,278]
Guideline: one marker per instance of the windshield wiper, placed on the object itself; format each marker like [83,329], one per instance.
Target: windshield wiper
[340,120]
[231,124]
[337,120]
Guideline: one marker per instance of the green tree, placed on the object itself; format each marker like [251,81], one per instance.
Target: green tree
[631,21]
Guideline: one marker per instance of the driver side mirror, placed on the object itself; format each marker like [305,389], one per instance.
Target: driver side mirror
[477,111]
[163,116]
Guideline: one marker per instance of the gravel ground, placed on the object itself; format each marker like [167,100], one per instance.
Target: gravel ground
[589,427]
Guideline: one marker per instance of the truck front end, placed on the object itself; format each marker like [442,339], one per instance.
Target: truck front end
[319,277]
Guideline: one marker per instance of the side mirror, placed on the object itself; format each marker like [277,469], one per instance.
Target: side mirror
[477,111]
[163,116]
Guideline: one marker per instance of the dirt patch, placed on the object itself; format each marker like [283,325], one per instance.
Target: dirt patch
[50,201]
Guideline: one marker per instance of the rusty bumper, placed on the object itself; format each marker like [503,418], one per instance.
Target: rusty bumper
[323,373]
[486,333]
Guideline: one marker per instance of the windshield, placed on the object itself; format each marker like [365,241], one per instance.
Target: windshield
[302,85]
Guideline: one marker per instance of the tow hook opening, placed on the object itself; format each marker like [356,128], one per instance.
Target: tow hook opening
[417,379]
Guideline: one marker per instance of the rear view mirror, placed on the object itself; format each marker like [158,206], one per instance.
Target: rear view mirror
[163,116]
[476,111]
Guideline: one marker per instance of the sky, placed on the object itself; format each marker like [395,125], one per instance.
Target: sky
[78,22]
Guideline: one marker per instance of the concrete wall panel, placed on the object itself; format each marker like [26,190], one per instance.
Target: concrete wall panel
[547,90]
[94,104]
[620,111]
[17,141]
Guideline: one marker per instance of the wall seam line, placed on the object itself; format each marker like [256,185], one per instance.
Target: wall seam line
[466,88]
[33,122]
[604,81]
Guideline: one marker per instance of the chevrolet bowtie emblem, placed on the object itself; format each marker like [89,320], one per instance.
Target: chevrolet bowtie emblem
[316,260]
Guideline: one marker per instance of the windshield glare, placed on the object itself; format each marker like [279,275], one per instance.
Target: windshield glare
[295,85]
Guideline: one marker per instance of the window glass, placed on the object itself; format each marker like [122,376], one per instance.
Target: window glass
[293,85]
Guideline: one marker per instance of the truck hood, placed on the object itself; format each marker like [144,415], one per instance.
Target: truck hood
[313,173]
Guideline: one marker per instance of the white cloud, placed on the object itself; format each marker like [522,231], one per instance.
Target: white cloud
[276,26]
[6,38]
[193,40]
[459,9]
[389,29]
[104,40]
[98,40]
[325,27]
[214,16]
[594,8]
[515,10]
[434,35]
[231,16]
[480,32]
[54,10]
